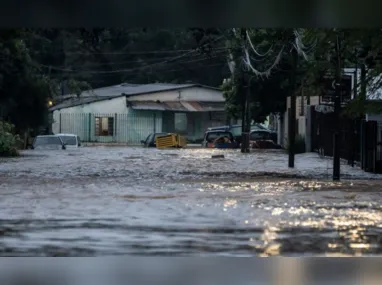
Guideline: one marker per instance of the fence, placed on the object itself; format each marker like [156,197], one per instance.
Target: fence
[323,130]
[128,128]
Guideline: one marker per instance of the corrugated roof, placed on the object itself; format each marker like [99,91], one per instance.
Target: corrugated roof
[80,101]
[124,89]
[181,106]
[136,89]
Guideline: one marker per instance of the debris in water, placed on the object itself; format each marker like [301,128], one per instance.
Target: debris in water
[217,156]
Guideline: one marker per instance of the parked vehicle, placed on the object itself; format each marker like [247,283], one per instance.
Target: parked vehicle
[150,141]
[262,139]
[219,139]
[70,140]
[237,133]
[48,142]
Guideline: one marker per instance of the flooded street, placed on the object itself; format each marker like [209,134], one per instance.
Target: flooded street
[109,201]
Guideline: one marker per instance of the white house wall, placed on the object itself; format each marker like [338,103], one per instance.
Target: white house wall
[302,120]
[374,117]
[130,127]
[190,94]
[73,119]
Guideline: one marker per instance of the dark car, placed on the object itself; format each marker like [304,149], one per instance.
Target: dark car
[48,142]
[237,133]
[150,140]
[263,139]
[219,139]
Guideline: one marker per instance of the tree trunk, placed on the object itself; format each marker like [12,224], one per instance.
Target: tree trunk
[292,115]
[26,137]
[337,110]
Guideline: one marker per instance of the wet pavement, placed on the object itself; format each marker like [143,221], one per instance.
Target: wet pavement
[99,201]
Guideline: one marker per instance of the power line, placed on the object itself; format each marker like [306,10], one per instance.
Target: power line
[179,69]
[124,53]
[124,70]
[126,62]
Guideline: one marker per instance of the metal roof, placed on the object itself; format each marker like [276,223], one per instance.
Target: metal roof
[179,106]
[124,89]
[80,101]
[136,89]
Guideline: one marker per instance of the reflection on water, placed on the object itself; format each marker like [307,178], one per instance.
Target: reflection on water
[142,208]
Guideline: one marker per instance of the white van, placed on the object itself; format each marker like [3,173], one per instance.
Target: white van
[70,140]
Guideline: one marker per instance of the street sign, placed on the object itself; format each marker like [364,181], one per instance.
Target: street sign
[325,109]
[329,89]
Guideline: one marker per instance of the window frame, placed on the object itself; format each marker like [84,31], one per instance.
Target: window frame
[99,132]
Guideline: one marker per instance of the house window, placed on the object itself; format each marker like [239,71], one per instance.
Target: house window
[104,126]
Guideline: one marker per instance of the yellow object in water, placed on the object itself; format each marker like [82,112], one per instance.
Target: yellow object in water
[171,140]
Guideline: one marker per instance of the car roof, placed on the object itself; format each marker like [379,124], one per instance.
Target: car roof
[218,131]
[46,136]
[67,135]
[260,130]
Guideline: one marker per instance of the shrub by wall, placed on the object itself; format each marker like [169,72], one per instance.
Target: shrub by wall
[9,141]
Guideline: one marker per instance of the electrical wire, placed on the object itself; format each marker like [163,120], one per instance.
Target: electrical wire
[131,61]
[267,72]
[253,48]
[125,53]
[126,70]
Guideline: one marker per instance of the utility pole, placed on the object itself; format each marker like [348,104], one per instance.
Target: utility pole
[292,111]
[246,117]
[337,109]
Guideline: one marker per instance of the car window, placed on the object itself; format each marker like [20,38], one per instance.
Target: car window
[259,136]
[47,141]
[236,131]
[259,126]
[214,135]
[149,138]
[69,140]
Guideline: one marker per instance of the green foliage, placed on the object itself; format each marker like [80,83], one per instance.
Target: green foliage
[8,140]
[24,91]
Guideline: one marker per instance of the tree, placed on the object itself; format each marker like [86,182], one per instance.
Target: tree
[24,92]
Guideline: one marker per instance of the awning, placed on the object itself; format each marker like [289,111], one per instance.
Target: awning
[182,106]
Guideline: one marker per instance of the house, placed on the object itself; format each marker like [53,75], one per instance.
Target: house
[128,113]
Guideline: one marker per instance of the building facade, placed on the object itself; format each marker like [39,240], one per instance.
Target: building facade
[129,113]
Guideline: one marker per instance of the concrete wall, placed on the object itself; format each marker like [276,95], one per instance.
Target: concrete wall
[303,120]
[374,117]
[191,94]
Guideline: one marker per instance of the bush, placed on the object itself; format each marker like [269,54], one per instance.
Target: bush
[299,146]
[8,140]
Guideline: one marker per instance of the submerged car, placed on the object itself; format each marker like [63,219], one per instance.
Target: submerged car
[70,140]
[236,131]
[219,139]
[48,142]
[263,140]
[150,141]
